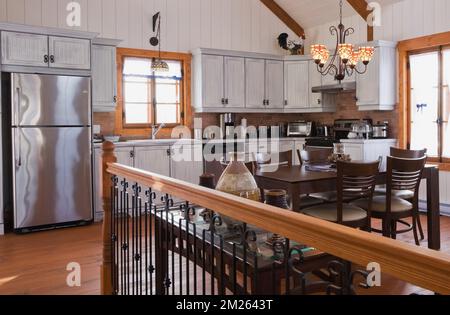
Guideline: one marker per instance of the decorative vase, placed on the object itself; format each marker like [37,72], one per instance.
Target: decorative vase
[237,180]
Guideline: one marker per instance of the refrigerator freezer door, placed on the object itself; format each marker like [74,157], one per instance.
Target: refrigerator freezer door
[53,181]
[50,100]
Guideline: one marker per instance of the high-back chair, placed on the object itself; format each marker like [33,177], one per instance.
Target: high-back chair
[354,180]
[402,174]
[404,194]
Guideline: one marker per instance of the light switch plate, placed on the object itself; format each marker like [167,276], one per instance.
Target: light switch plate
[96,129]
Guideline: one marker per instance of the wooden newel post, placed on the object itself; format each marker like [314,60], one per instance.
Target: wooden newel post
[106,268]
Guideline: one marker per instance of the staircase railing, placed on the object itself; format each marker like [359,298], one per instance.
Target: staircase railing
[155,246]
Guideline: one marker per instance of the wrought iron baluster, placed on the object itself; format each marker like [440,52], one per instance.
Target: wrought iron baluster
[195,259]
[204,262]
[180,256]
[222,268]
[187,253]
[172,242]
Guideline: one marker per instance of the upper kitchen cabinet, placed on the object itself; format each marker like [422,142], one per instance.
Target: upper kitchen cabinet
[296,85]
[23,49]
[70,53]
[376,89]
[33,46]
[274,84]
[104,75]
[255,70]
[234,79]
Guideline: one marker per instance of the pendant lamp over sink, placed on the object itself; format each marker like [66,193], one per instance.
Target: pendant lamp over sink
[158,65]
[345,59]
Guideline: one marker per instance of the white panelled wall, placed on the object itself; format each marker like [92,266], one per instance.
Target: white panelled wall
[245,25]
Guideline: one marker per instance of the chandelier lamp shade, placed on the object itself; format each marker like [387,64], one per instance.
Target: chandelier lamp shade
[344,60]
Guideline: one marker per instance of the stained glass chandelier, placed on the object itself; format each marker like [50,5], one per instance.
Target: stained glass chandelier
[158,65]
[345,59]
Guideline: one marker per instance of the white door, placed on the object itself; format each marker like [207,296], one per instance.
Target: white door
[275,84]
[255,83]
[296,84]
[24,49]
[315,79]
[155,160]
[234,82]
[69,53]
[213,81]
[103,78]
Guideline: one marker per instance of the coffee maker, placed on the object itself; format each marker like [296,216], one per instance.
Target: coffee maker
[227,125]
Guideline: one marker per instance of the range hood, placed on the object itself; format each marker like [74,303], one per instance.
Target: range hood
[343,87]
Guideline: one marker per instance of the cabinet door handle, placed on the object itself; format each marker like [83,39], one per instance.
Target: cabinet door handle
[45,58]
[52,59]
[285,103]
[319,101]
[223,101]
[115,99]
[131,154]
[226,101]
[169,152]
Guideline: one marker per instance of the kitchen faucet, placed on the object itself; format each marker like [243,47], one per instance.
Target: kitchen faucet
[156,129]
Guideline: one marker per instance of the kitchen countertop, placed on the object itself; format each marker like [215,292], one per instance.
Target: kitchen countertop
[170,142]
[368,141]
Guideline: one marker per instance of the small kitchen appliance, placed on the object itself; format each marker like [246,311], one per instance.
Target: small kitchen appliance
[300,129]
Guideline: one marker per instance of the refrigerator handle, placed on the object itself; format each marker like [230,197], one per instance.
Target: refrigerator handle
[19,131]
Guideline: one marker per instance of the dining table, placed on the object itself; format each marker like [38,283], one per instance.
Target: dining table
[300,180]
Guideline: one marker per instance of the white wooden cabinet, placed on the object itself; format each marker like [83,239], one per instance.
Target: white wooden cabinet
[125,156]
[296,85]
[35,50]
[234,82]
[187,163]
[315,79]
[212,81]
[255,74]
[70,53]
[274,85]
[376,89]
[23,49]
[369,150]
[104,77]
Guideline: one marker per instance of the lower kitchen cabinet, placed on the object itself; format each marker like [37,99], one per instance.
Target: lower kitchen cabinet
[369,150]
[154,159]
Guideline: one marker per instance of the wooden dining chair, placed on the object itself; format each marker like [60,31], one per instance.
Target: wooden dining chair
[318,156]
[402,174]
[284,159]
[404,194]
[354,181]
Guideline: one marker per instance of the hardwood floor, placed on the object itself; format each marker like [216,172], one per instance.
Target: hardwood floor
[36,263]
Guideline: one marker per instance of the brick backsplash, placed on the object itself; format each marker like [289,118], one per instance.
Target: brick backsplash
[346,109]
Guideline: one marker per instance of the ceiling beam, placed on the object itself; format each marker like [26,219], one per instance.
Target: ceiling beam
[285,17]
[361,6]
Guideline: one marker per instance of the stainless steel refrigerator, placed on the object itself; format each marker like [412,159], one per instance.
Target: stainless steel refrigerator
[51,150]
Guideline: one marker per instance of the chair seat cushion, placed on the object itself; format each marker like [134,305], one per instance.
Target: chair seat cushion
[404,194]
[379,204]
[328,212]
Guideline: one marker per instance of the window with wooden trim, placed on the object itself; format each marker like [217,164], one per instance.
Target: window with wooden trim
[429,102]
[151,98]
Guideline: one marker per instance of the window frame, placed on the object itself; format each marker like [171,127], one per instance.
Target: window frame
[185,112]
[406,48]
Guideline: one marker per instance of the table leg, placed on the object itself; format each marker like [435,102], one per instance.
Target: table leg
[433,211]
[294,192]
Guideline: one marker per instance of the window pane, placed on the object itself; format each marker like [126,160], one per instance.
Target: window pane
[137,66]
[424,102]
[136,92]
[166,113]
[167,93]
[446,104]
[136,113]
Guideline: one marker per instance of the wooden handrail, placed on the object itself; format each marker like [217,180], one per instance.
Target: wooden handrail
[420,266]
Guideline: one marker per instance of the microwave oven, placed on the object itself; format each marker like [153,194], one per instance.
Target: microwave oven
[300,129]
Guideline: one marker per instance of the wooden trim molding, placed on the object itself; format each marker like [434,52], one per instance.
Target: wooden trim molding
[360,6]
[285,17]
[186,119]
[405,48]
[417,265]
